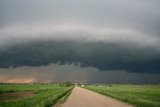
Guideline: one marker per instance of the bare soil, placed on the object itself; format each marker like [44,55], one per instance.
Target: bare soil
[15,96]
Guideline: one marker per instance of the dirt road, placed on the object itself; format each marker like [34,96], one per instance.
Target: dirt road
[85,98]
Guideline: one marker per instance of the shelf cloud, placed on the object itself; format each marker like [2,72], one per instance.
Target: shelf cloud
[77,32]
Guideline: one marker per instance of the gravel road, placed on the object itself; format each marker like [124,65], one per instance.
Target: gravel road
[85,98]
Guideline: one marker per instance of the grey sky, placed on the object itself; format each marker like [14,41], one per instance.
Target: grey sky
[142,15]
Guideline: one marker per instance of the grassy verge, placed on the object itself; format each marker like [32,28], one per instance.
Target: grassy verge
[63,99]
[138,95]
[46,95]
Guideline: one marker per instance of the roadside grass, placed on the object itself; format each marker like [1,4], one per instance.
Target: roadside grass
[62,100]
[46,95]
[138,95]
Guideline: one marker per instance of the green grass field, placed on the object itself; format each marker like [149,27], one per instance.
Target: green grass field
[45,95]
[138,95]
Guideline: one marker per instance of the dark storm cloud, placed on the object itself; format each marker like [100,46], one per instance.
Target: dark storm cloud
[105,55]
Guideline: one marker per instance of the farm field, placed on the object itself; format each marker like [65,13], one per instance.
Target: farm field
[138,95]
[28,95]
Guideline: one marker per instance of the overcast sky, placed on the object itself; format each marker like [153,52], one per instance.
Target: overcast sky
[134,23]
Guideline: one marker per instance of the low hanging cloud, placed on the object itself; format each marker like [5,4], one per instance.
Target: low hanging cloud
[102,48]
